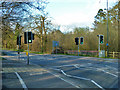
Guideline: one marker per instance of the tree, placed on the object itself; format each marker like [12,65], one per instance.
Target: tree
[15,14]
[119,28]
[100,17]
[100,27]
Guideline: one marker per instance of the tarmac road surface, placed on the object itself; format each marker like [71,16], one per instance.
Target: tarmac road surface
[65,71]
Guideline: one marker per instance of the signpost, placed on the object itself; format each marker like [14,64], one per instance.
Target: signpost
[77,42]
[18,44]
[101,41]
[28,50]
[55,44]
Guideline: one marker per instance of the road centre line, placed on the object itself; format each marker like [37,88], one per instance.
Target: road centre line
[101,70]
[60,77]
[79,78]
[64,65]
[110,73]
[76,65]
[111,67]
[21,81]
[64,80]
[83,79]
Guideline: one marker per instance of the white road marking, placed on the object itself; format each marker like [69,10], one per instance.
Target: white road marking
[100,70]
[55,69]
[36,73]
[64,80]
[74,76]
[21,81]
[89,63]
[64,65]
[110,73]
[76,66]
[83,79]
[111,67]
[61,78]
[97,84]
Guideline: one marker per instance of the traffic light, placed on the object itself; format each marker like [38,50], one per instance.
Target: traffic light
[33,36]
[101,37]
[19,40]
[25,37]
[81,40]
[77,40]
[30,37]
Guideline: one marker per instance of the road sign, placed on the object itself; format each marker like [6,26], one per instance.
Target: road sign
[107,44]
[55,43]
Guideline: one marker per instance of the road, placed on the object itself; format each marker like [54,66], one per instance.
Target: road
[69,71]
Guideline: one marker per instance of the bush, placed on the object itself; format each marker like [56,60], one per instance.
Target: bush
[21,50]
[58,51]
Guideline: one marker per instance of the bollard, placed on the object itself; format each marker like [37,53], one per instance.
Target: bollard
[106,53]
[113,54]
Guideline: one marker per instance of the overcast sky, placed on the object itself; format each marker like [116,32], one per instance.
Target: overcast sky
[78,13]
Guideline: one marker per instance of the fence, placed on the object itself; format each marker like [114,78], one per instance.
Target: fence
[114,54]
[93,53]
[83,52]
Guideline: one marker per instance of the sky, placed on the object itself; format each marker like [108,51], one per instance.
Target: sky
[75,13]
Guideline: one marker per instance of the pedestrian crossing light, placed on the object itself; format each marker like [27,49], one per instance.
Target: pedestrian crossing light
[101,37]
[81,40]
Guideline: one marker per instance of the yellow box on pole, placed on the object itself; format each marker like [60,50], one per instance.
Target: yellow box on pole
[27,53]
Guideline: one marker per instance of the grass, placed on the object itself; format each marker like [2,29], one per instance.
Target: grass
[9,49]
[109,57]
[21,50]
[1,58]
[3,54]
[36,52]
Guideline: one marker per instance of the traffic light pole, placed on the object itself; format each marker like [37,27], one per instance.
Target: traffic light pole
[107,32]
[19,47]
[28,50]
[78,47]
[56,49]
[99,47]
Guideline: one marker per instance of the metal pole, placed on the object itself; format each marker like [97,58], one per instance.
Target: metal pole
[99,46]
[56,49]
[78,49]
[78,46]
[42,34]
[119,30]
[107,33]
[17,51]
[28,50]
[19,47]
